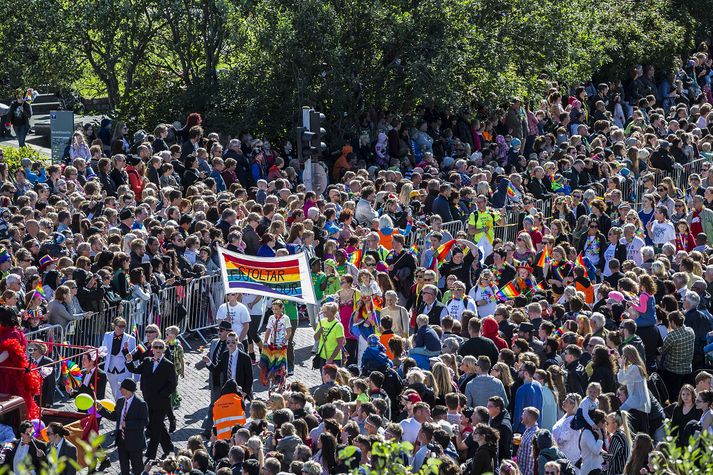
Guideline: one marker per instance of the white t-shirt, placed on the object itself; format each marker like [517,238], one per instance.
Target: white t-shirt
[478,293]
[410,428]
[238,314]
[633,249]
[661,233]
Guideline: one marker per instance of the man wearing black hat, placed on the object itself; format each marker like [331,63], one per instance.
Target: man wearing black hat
[217,347]
[132,416]
[127,220]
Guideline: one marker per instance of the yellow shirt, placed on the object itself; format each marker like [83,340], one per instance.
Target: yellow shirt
[484,219]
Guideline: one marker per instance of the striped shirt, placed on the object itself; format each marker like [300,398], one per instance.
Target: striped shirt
[677,350]
[617,453]
[525,455]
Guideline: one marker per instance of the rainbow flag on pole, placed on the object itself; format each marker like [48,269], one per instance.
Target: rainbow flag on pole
[544,257]
[580,261]
[40,291]
[285,277]
[508,292]
[511,190]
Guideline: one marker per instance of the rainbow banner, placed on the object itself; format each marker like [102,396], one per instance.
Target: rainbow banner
[286,277]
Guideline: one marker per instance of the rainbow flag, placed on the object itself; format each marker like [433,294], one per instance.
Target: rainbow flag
[511,190]
[284,277]
[135,331]
[441,253]
[356,257]
[508,292]
[413,250]
[580,261]
[540,285]
[557,182]
[545,257]
[40,291]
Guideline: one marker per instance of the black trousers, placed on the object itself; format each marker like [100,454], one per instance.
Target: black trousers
[158,432]
[352,348]
[131,462]
[639,421]
[673,382]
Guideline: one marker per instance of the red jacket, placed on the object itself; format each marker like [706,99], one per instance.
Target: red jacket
[490,331]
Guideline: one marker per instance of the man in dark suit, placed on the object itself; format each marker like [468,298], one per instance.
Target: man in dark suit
[217,347]
[46,371]
[431,306]
[89,371]
[158,381]
[56,434]
[25,451]
[234,364]
[132,416]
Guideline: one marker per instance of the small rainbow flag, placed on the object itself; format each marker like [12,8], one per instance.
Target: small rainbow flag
[580,261]
[540,285]
[511,190]
[557,182]
[441,253]
[508,292]
[545,257]
[559,332]
[40,291]
[413,250]
[135,331]
[140,346]
[356,257]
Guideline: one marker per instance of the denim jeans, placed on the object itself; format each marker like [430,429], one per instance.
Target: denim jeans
[21,132]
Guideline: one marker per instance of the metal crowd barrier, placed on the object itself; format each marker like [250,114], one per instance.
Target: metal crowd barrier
[453,227]
[203,297]
[49,335]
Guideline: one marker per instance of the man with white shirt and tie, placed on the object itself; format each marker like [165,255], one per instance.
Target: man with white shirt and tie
[118,345]
[56,434]
[90,374]
[26,452]
[132,416]
[158,381]
[234,364]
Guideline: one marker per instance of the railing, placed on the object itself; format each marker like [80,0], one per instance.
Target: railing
[203,297]
[51,335]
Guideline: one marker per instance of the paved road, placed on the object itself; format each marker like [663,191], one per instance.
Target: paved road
[196,396]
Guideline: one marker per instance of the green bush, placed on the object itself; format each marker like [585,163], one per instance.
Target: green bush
[14,155]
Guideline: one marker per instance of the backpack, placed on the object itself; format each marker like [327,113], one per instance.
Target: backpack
[657,388]
[578,422]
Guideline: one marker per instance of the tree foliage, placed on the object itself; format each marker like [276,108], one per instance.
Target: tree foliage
[251,64]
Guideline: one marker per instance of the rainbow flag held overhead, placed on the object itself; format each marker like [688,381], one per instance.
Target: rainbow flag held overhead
[511,190]
[440,255]
[413,250]
[545,257]
[507,292]
[284,277]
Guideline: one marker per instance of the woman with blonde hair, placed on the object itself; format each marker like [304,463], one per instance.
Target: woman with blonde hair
[443,382]
[618,444]
[633,375]
[502,371]
[254,446]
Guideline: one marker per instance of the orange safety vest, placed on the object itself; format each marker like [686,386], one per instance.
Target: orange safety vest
[228,411]
[384,340]
[587,291]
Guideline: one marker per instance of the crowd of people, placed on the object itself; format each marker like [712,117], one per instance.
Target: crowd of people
[563,351]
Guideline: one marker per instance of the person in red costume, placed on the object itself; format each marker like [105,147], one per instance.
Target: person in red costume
[13,354]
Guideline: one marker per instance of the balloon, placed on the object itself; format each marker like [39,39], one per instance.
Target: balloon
[39,427]
[107,404]
[83,401]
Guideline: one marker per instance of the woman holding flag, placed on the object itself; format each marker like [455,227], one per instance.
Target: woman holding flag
[365,319]
[523,285]
[484,294]
[558,272]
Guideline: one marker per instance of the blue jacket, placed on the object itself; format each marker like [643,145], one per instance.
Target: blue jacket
[428,338]
[35,178]
[528,395]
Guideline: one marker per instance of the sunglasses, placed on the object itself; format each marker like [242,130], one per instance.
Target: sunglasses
[593,226]
[121,326]
[232,343]
[151,331]
[158,347]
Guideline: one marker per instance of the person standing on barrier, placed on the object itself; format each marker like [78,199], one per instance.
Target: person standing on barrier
[218,346]
[118,345]
[158,381]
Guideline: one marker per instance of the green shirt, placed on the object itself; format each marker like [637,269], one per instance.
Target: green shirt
[484,219]
[331,332]
[318,279]
[291,311]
